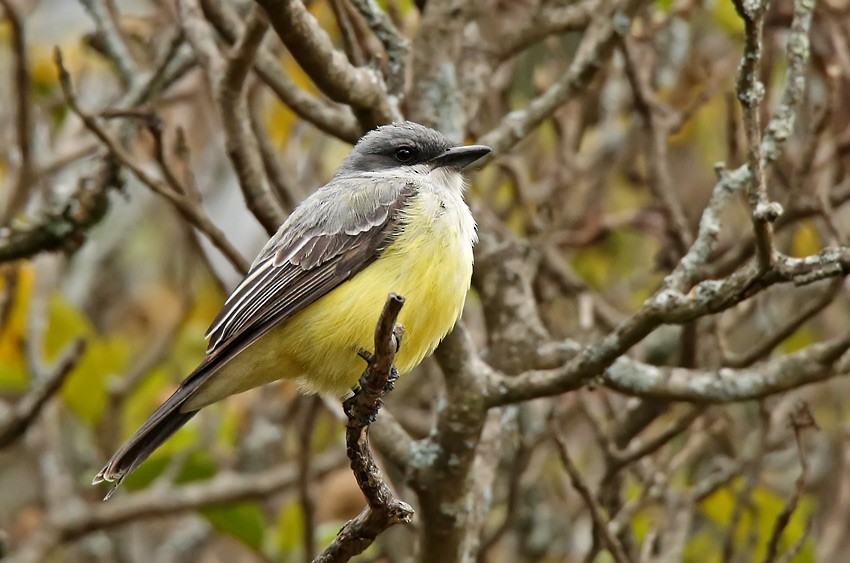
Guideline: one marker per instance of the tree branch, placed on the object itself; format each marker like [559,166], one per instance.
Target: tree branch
[23,105]
[395,44]
[383,510]
[600,521]
[595,50]
[225,488]
[26,411]
[724,385]
[750,94]
[227,78]
[112,43]
[666,306]
[66,228]
[361,88]
[334,120]
[193,213]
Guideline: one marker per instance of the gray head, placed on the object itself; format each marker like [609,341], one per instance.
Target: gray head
[408,147]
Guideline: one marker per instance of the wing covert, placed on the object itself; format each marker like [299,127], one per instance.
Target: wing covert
[324,243]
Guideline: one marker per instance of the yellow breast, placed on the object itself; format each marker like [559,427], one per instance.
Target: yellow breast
[429,263]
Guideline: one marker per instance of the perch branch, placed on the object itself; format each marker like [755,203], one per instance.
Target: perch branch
[383,510]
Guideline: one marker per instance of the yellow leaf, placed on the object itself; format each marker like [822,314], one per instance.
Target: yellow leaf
[806,240]
[13,369]
[724,14]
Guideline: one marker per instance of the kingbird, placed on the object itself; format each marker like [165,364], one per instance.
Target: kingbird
[392,219]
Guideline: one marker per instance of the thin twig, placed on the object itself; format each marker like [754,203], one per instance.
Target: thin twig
[637,450]
[288,192]
[600,521]
[383,510]
[799,421]
[306,490]
[750,95]
[187,208]
[226,488]
[791,323]
[240,142]
[113,43]
[23,118]
[596,48]
[227,78]
[658,122]
[26,411]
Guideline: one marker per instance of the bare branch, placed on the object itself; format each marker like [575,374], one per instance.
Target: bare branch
[66,228]
[723,385]
[797,51]
[383,510]
[306,490]
[112,42]
[225,488]
[799,420]
[600,521]
[595,50]
[334,120]
[549,19]
[361,88]
[751,94]
[228,80]
[395,44]
[23,122]
[188,209]
[667,306]
[658,123]
[796,320]
[26,411]
[288,192]
[444,460]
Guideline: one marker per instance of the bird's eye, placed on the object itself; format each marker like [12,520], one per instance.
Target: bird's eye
[404,154]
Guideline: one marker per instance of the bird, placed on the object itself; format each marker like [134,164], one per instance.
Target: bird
[392,219]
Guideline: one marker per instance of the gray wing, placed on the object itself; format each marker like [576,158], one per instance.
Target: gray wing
[330,237]
[333,235]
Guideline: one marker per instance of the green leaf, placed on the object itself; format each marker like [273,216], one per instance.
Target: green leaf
[289,530]
[243,521]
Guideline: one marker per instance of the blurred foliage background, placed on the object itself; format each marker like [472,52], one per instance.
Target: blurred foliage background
[141,284]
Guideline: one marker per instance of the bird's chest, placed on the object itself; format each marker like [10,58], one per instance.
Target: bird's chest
[432,258]
[437,238]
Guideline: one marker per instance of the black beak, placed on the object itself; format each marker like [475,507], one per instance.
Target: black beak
[458,157]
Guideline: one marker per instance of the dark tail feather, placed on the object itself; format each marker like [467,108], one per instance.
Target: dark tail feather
[169,417]
[167,420]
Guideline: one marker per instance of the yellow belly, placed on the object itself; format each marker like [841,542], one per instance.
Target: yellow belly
[430,264]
